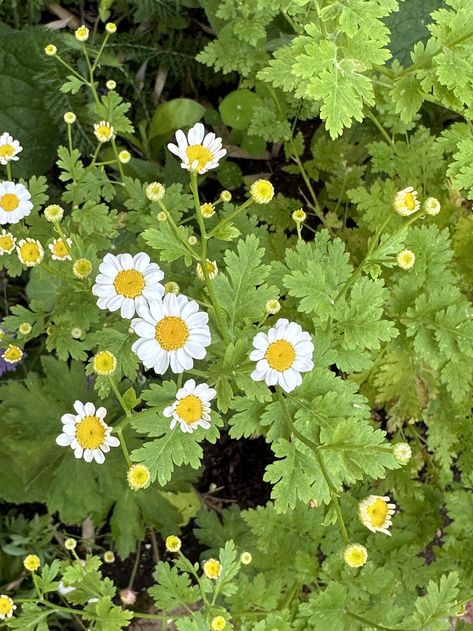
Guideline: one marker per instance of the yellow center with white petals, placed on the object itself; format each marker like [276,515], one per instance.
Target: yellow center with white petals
[171,333]
[30,252]
[280,355]
[6,605]
[200,155]
[410,201]
[212,568]
[60,249]
[139,476]
[104,132]
[13,354]
[378,512]
[189,409]
[355,557]
[9,202]
[6,243]
[90,432]
[6,151]
[104,363]
[129,283]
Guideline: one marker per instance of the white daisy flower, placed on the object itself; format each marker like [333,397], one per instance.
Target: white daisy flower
[127,281]
[87,433]
[172,331]
[282,354]
[198,151]
[7,242]
[103,131]
[9,148]
[15,202]
[406,202]
[60,250]
[30,252]
[191,409]
[375,513]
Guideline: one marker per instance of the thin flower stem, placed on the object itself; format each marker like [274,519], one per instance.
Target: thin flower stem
[120,165]
[223,222]
[119,397]
[124,447]
[91,74]
[174,226]
[69,137]
[60,231]
[191,570]
[9,175]
[104,43]
[384,133]
[375,625]
[135,566]
[71,69]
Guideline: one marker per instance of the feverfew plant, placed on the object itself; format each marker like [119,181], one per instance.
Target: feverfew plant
[336,324]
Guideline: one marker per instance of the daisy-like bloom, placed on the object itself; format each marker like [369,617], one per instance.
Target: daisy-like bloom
[50,50]
[104,363]
[273,306]
[30,252]
[355,555]
[432,206]
[173,332]
[103,131]
[124,156]
[155,191]
[31,562]
[375,513]
[15,202]
[87,433]
[402,452]
[199,152]
[406,202]
[7,242]
[218,623]
[246,558]
[406,259]
[207,210]
[212,270]
[191,409]
[111,84]
[70,544]
[212,569]
[13,354]
[25,328]
[53,213]
[108,556]
[226,196]
[60,250]
[111,27]
[299,216]
[82,268]
[173,543]
[125,282]
[7,607]
[9,148]
[171,287]
[82,33]
[70,118]
[282,354]
[262,191]
[139,477]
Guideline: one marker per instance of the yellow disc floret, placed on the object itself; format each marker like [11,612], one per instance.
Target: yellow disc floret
[280,355]
[355,555]
[199,156]
[171,333]
[139,477]
[13,354]
[262,191]
[212,569]
[189,409]
[104,363]
[31,562]
[173,543]
[129,283]
[90,432]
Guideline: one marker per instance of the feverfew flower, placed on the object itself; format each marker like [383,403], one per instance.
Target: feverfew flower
[70,118]
[173,543]
[155,191]
[138,476]
[171,287]
[53,213]
[9,148]
[111,84]
[7,242]
[406,202]
[272,306]
[432,206]
[7,607]
[375,513]
[246,558]
[103,131]
[12,354]
[86,433]
[60,250]
[30,252]
[127,281]
[207,210]
[15,202]
[31,562]
[111,27]
[173,332]
[82,268]
[218,623]
[299,216]
[191,409]
[402,452]
[50,50]
[82,34]
[282,354]
[124,156]
[104,363]
[109,556]
[262,191]
[192,240]
[212,270]
[25,328]
[355,555]
[128,596]
[70,544]
[199,151]
[162,216]
[212,569]
[225,196]
[406,259]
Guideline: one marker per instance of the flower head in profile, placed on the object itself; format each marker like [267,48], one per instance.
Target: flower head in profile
[212,569]
[262,191]
[103,131]
[31,562]
[355,555]
[375,513]
[191,409]
[138,476]
[87,433]
[125,282]
[60,249]
[7,607]
[70,118]
[13,354]
[7,242]
[282,355]
[9,148]
[406,259]
[212,270]
[15,202]
[30,252]
[406,202]
[173,332]
[199,152]
[299,216]
[173,543]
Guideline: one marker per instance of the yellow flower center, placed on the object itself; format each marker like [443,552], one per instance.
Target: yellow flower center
[129,283]
[200,154]
[104,363]
[6,151]
[189,409]
[6,605]
[30,252]
[6,242]
[140,476]
[13,354]
[280,355]
[378,511]
[410,201]
[212,568]
[171,333]
[60,248]
[355,557]
[9,202]
[90,432]
[104,131]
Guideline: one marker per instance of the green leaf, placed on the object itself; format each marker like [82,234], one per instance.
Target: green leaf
[439,602]
[237,107]
[172,589]
[171,246]
[175,114]
[106,616]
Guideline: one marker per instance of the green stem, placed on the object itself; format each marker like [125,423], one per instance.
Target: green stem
[135,566]
[119,397]
[71,69]
[120,165]
[69,137]
[223,222]
[373,624]
[384,133]
[9,175]
[104,43]
[124,447]
[91,74]
[174,226]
